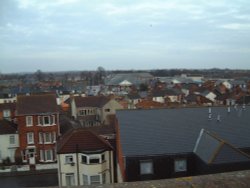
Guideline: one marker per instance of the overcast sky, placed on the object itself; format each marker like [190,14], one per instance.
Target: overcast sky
[61,35]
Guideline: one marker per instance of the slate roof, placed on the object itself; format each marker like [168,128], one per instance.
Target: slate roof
[82,140]
[36,104]
[91,101]
[213,150]
[7,127]
[172,131]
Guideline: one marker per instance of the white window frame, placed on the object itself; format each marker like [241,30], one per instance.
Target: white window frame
[180,165]
[46,155]
[40,120]
[12,139]
[41,155]
[53,120]
[146,167]
[40,137]
[69,159]
[30,138]
[72,179]
[96,182]
[49,141]
[6,113]
[82,112]
[29,121]
[49,118]
[54,137]
[93,156]
[85,179]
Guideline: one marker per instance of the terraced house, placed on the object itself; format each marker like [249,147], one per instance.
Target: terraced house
[84,158]
[38,127]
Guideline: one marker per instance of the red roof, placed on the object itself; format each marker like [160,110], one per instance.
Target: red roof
[36,104]
[93,101]
[146,104]
[82,140]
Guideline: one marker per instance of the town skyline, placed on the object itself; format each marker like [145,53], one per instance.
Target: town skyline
[82,35]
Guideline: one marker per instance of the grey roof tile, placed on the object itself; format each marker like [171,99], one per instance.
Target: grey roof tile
[170,131]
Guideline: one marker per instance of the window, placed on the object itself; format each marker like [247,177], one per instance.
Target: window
[41,155]
[47,138]
[69,159]
[103,178]
[180,165]
[40,120]
[82,112]
[70,179]
[94,159]
[30,138]
[40,137]
[53,120]
[84,159]
[12,139]
[85,179]
[103,157]
[29,121]
[107,110]
[48,155]
[146,167]
[6,113]
[95,179]
[46,120]
[54,136]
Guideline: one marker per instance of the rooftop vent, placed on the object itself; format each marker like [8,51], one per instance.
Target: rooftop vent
[244,106]
[218,118]
[209,116]
[209,110]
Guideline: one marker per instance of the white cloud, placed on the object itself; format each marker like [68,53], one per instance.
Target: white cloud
[235,26]
[41,5]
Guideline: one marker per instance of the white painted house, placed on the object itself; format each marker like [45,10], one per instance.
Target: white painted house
[84,158]
[9,141]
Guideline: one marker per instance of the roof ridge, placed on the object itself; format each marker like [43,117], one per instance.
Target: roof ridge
[100,138]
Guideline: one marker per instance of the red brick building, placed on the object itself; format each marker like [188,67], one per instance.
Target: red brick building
[38,127]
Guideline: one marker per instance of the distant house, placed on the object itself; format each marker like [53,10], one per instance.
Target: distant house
[167,143]
[128,79]
[238,83]
[133,99]
[158,96]
[7,98]
[148,104]
[38,128]
[93,110]
[84,158]
[7,111]
[9,140]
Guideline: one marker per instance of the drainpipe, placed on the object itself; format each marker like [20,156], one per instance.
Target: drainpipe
[60,171]
[77,166]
